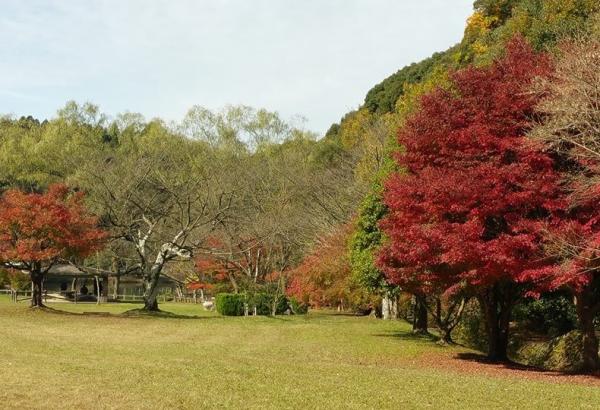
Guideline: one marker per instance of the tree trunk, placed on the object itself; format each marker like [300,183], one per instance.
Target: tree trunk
[395,309]
[585,312]
[116,283]
[385,307]
[497,302]
[151,305]
[443,324]
[420,320]
[233,282]
[446,336]
[36,287]
[151,288]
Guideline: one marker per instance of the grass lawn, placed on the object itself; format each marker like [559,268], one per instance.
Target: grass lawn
[196,359]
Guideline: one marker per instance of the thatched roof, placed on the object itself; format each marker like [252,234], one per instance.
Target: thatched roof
[67,269]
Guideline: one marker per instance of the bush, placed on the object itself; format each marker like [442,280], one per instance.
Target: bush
[283,305]
[297,307]
[563,353]
[3,278]
[552,314]
[230,304]
[263,302]
[471,329]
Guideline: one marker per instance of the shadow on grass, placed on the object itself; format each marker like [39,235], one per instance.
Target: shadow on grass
[279,318]
[482,360]
[141,313]
[161,314]
[407,335]
[133,313]
[334,313]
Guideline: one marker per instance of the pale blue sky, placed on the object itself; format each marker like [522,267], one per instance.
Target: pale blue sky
[315,58]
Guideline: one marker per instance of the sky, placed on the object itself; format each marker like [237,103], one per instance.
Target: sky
[310,58]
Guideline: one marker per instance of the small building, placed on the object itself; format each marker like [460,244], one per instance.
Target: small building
[86,284]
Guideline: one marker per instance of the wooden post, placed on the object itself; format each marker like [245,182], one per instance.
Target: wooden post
[97,281]
[104,292]
[74,287]
[117,283]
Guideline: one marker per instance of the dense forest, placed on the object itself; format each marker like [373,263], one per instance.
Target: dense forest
[463,191]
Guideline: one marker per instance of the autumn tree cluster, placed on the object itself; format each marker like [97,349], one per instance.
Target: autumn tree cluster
[484,209]
[239,188]
[477,199]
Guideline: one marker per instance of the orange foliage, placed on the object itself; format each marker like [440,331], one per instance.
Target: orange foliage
[324,277]
[46,227]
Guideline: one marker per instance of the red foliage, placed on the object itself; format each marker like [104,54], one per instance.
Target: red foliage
[574,244]
[209,264]
[209,269]
[323,276]
[45,227]
[469,207]
[199,285]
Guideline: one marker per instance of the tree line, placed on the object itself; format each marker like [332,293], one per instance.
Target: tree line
[239,186]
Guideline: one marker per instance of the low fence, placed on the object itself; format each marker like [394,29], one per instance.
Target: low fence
[16,295]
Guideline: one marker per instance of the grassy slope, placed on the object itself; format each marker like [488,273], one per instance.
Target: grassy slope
[319,361]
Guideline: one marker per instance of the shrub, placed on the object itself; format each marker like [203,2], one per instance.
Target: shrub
[471,329]
[563,353]
[283,304]
[297,307]
[263,302]
[230,304]
[3,278]
[552,314]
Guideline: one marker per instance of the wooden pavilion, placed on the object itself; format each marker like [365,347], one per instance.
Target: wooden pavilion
[87,284]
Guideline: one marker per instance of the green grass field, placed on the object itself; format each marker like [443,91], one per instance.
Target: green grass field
[197,359]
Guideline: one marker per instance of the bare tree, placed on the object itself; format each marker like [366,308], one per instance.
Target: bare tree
[569,126]
[162,202]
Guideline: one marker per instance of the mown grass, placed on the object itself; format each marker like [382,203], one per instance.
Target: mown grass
[197,359]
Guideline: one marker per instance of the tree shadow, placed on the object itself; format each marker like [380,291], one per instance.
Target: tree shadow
[484,361]
[163,314]
[408,335]
[278,318]
[132,313]
[334,313]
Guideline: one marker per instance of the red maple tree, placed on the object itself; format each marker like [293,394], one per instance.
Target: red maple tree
[38,230]
[323,278]
[466,210]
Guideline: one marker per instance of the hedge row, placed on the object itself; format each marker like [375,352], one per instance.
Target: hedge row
[232,304]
